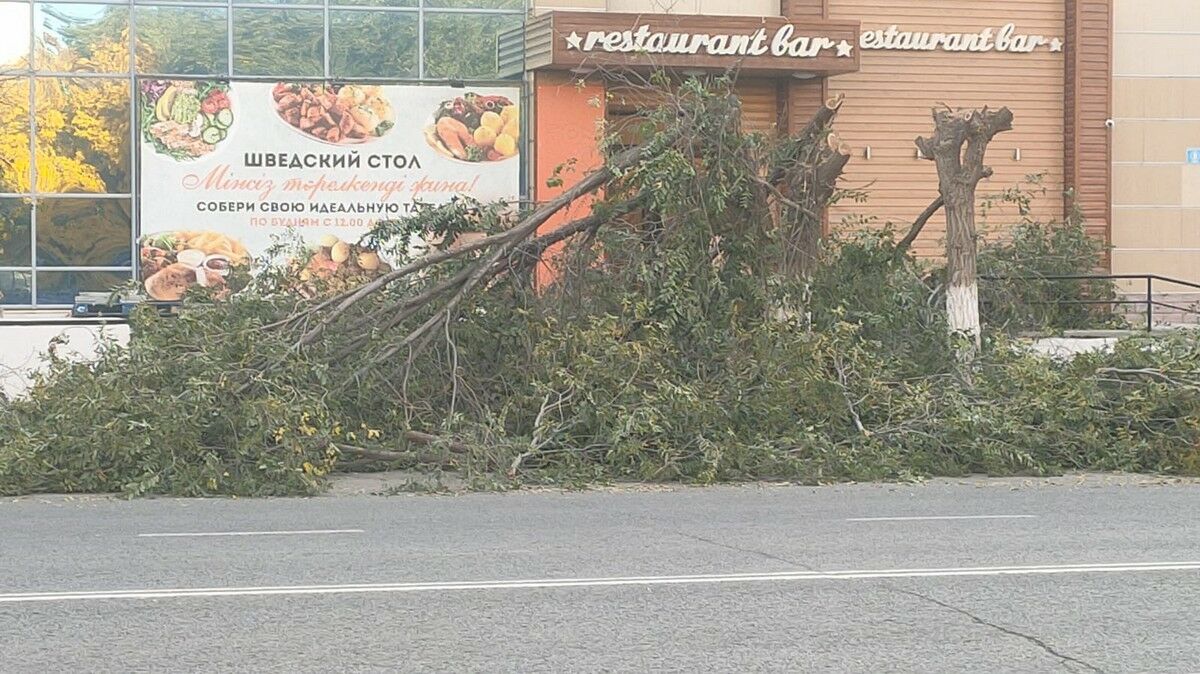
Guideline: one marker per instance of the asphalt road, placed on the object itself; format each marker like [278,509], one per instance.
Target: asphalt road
[1079,575]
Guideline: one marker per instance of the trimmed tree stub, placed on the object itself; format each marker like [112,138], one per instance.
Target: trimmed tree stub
[805,181]
[957,147]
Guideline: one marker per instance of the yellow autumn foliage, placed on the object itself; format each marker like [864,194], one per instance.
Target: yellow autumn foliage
[83,132]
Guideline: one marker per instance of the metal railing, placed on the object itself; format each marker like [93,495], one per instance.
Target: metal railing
[1148,302]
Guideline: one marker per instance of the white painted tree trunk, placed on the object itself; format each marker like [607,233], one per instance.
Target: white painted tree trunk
[962,288]
[962,310]
[959,142]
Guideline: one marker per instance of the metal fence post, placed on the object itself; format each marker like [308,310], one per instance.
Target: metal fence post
[1149,303]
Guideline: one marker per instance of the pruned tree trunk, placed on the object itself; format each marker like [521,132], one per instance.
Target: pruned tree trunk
[962,286]
[958,145]
[801,182]
[805,181]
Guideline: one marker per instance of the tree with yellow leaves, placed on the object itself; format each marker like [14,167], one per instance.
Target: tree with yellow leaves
[82,139]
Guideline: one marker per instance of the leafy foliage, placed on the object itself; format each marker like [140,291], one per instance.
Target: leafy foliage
[1027,292]
[162,415]
[661,352]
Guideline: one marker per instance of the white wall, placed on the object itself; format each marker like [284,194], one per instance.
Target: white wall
[21,348]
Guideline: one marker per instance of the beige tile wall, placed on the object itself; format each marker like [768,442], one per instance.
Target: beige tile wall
[1156,111]
[570,5]
[713,7]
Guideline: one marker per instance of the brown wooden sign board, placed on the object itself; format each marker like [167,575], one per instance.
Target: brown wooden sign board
[758,45]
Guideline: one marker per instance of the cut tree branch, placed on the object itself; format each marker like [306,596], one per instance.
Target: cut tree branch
[505,241]
[917,226]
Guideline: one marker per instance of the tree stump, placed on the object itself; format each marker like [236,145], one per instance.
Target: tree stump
[806,179]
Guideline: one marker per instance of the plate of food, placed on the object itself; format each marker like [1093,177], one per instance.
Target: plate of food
[338,114]
[476,128]
[335,264]
[173,262]
[185,120]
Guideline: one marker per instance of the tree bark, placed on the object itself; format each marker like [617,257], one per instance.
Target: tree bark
[805,182]
[957,147]
[962,287]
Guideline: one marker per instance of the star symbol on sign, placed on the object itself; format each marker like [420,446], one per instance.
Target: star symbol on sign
[1056,45]
[574,40]
[844,49]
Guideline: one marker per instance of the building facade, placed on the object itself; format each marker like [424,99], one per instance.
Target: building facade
[1101,91]
[1156,144]
[1047,60]
[73,80]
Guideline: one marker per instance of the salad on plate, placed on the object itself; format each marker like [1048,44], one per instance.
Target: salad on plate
[183,119]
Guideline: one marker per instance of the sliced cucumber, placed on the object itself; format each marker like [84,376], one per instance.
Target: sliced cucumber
[224,134]
[211,135]
[224,118]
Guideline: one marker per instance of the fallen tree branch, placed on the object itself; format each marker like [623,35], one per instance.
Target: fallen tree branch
[390,456]
[420,438]
[350,298]
[418,337]
[531,251]
[1165,376]
[844,386]
[403,311]
[504,242]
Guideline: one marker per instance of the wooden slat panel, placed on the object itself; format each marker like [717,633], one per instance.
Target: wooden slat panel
[889,102]
[759,98]
[804,97]
[797,9]
[1088,151]
[760,105]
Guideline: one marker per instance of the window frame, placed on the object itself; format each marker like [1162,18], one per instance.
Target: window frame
[30,73]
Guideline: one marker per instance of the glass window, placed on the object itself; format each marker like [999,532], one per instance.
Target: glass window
[14,47]
[477,4]
[77,37]
[82,127]
[463,46]
[182,40]
[61,287]
[84,233]
[16,287]
[14,232]
[375,3]
[277,2]
[16,171]
[278,42]
[373,44]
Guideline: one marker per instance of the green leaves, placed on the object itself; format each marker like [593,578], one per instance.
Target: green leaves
[1035,250]
[667,347]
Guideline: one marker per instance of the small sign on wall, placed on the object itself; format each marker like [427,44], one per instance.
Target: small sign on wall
[1193,155]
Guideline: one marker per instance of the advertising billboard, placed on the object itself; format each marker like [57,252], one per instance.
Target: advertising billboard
[226,167]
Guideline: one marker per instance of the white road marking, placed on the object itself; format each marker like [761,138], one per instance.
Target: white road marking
[299,532]
[781,576]
[941,517]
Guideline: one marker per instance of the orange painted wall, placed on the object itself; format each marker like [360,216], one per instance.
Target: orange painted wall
[567,119]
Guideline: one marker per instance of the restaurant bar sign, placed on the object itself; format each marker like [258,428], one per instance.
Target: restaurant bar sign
[792,41]
[784,41]
[1006,38]
[770,45]
[585,41]
[229,168]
